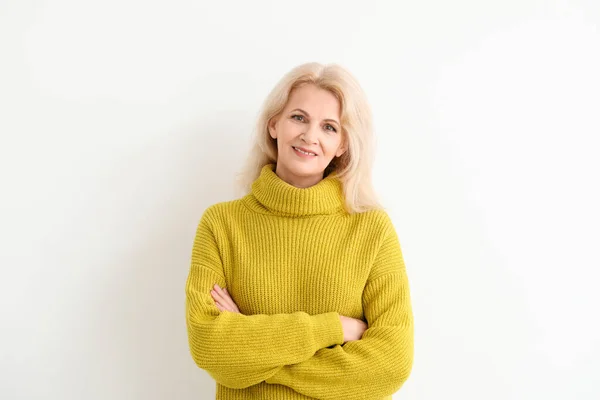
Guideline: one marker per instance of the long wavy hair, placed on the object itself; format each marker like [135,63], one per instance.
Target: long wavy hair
[354,167]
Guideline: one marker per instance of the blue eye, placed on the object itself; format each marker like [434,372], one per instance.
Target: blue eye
[302,116]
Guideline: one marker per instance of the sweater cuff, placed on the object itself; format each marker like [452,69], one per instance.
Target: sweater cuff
[327,329]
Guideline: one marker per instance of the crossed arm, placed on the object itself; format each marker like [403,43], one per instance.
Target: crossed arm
[304,352]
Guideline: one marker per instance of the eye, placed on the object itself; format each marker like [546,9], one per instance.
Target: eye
[327,126]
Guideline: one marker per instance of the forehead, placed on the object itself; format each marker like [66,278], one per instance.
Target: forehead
[317,102]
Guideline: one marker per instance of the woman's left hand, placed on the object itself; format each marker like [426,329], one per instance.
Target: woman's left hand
[223,300]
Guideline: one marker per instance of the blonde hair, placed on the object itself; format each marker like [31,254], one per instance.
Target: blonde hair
[354,166]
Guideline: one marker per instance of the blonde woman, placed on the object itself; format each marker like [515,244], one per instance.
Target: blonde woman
[298,289]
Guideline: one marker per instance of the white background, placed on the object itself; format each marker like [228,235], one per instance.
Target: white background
[121,121]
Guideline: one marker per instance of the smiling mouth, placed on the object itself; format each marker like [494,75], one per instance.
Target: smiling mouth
[303,152]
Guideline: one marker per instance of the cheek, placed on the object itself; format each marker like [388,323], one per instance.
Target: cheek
[292,134]
[331,144]
[292,126]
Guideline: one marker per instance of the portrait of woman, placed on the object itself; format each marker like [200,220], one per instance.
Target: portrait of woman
[298,289]
[294,201]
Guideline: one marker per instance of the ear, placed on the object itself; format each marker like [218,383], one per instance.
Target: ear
[342,149]
[271,127]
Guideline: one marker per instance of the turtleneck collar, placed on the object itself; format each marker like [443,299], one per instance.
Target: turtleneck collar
[271,194]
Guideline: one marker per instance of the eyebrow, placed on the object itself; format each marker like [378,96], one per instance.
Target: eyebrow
[327,119]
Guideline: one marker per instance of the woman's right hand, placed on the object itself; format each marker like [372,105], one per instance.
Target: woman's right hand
[353,328]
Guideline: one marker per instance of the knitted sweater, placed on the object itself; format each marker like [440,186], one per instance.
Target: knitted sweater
[293,260]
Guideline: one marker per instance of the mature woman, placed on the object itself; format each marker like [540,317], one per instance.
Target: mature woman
[298,289]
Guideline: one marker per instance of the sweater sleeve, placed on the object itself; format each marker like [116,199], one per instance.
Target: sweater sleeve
[380,362]
[239,350]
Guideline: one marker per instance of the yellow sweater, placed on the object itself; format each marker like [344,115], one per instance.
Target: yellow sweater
[293,260]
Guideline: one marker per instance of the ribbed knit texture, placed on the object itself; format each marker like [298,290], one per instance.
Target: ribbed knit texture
[294,260]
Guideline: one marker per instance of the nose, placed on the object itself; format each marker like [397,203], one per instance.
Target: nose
[310,136]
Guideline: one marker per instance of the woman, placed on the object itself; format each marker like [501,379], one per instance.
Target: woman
[298,289]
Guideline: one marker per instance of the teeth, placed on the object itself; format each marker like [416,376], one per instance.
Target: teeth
[310,154]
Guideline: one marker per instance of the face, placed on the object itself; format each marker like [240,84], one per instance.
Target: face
[310,121]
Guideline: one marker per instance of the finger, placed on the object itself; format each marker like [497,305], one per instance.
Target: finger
[227,306]
[223,308]
[226,300]
[229,297]
[223,302]
[216,296]
[220,293]
[235,307]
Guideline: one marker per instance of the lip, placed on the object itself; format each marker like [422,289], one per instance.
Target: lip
[307,150]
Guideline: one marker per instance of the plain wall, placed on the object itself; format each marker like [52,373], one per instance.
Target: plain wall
[121,121]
